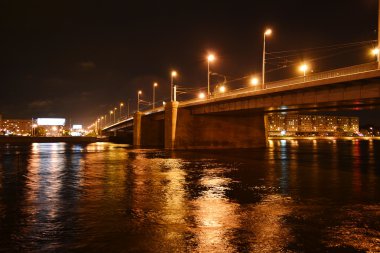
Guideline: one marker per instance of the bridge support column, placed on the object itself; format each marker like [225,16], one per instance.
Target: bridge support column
[228,130]
[171,109]
[137,129]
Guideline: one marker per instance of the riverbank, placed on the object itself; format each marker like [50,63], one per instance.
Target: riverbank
[30,139]
[322,138]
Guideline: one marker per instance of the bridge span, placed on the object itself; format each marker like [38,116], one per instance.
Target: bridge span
[237,119]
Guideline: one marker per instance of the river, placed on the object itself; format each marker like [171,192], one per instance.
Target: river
[293,196]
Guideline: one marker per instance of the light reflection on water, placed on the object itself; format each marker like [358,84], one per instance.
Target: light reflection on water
[292,196]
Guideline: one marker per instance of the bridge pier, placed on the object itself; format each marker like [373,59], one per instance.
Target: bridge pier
[171,110]
[185,130]
[137,129]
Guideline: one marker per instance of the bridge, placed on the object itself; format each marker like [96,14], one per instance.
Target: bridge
[237,119]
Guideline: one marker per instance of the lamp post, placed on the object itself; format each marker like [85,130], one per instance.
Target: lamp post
[105,119]
[111,112]
[114,115]
[266,33]
[210,58]
[121,105]
[173,74]
[138,100]
[154,94]
[303,68]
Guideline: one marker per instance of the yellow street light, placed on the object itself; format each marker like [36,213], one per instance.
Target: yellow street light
[210,58]
[376,52]
[303,68]
[138,100]
[254,81]
[154,94]
[222,89]
[121,105]
[173,74]
[201,95]
[266,33]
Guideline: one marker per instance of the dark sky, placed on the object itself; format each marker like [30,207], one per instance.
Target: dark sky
[79,59]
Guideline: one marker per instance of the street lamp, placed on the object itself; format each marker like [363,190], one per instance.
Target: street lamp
[173,74]
[266,33]
[201,95]
[154,93]
[114,115]
[121,105]
[138,100]
[222,89]
[111,112]
[210,58]
[375,52]
[254,81]
[303,68]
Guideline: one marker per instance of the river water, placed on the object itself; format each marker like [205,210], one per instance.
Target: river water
[293,196]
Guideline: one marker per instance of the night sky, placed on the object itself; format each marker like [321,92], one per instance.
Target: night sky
[79,59]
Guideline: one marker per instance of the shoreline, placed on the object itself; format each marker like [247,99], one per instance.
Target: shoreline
[34,139]
[322,138]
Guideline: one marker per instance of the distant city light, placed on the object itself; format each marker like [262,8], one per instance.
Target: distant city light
[77,127]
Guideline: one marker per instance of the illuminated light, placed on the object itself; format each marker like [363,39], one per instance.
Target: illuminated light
[163,103]
[283,132]
[254,81]
[140,92]
[202,95]
[268,32]
[375,51]
[121,104]
[155,84]
[54,128]
[222,89]
[304,67]
[34,125]
[174,73]
[211,58]
[51,121]
[111,112]
[77,127]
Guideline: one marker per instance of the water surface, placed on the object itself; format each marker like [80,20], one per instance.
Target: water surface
[294,196]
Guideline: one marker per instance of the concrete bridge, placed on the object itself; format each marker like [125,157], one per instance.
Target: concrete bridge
[237,119]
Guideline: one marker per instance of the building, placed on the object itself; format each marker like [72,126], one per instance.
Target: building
[20,127]
[280,124]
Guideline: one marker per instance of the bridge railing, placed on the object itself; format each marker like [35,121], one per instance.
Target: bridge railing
[287,82]
[325,75]
[305,79]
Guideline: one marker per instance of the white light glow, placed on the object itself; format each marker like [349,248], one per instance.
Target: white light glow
[51,121]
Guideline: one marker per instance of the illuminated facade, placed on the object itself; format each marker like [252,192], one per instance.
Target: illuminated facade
[297,124]
[20,127]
